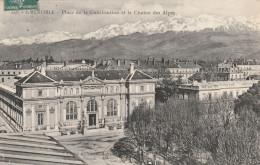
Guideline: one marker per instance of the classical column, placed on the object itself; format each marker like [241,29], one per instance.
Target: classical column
[102,109]
[48,116]
[118,107]
[47,91]
[24,118]
[33,118]
[56,117]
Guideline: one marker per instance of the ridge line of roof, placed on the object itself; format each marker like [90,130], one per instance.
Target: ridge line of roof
[29,77]
[132,75]
[145,74]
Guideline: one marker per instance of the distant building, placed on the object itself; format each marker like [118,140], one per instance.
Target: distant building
[214,89]
[69,66]
[9,71]
[230,72]
[156,68]
[250,70]
[66,99]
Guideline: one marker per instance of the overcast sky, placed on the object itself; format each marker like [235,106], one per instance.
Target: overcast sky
[25,24]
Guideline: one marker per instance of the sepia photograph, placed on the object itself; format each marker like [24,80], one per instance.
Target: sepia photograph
[129,82]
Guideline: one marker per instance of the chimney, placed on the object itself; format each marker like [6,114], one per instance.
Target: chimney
[32,64]
[93,73]
[43,68]
[103,62]
[64,63]
[95,62]
[138,62]
[132,67]
[163,61]
[16,66]
[153,61]
[118,62]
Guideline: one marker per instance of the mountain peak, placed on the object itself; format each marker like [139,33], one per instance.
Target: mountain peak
[175,23]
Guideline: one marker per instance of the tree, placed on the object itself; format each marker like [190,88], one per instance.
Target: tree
[167,87]
[138,128]
[249,99]
[192,132]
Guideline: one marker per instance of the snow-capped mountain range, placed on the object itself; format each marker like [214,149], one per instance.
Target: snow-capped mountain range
[174,24]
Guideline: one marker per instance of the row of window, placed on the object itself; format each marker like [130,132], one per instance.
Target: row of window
[3,79]
[70,91]
[9,73]
[92,106]
[112,89]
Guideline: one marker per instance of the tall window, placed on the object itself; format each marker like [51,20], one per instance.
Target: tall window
[77,91]
[92,105]
[112,108]
[71,111]
[71,91]
[65,91]
[40,119]
[141,88]
[39,92]
[112,89]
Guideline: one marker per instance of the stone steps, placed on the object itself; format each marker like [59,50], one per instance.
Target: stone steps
[22,138]
[28,149]
[29,144]
[22,150]
[36,160]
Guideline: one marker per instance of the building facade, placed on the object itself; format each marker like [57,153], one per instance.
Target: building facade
[68,100]
[230,72]
[213,90]
[10,71]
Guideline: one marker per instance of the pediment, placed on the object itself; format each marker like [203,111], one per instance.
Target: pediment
[93,80]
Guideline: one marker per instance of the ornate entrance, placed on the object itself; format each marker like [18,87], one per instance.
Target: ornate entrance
[92,119]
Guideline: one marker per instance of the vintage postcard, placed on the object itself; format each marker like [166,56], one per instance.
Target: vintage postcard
[114,82]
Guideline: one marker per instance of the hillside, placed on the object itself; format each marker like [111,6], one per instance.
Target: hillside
[195,45]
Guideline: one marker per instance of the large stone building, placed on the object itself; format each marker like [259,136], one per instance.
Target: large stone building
[230,72]
[67,99]
[10,70]
[214,89]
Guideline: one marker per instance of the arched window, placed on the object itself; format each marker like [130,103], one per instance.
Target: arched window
[106,90]
[92,105]
[112,89]
[71,111]
[65,91]
[112,108]
[77,91]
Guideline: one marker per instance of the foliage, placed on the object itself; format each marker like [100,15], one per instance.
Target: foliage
[191,132]
[250,99]
[167,87]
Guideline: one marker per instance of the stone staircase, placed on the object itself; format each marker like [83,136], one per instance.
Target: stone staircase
[17,149]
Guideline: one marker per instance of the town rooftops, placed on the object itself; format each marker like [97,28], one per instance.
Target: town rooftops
[138,75]
[77,75]
[35,77]
[18,66]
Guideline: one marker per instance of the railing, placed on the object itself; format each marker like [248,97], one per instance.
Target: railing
[15,126]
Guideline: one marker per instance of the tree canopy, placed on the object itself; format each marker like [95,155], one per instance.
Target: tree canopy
[249,100]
